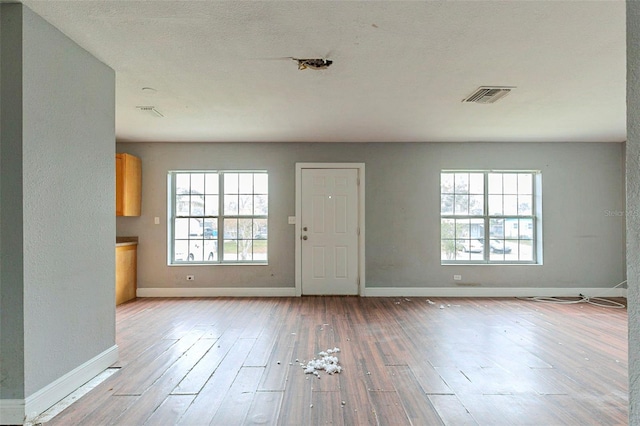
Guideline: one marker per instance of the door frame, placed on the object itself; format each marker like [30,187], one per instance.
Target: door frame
[361,210]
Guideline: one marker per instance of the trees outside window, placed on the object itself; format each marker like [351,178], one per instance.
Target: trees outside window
[218,216]
[488,216]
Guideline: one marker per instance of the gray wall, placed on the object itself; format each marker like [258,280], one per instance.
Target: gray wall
[67,220]
[583,246]
[633,204]
[11,276]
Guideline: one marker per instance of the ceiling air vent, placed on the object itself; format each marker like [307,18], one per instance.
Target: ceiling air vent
[488,94]
[150,110]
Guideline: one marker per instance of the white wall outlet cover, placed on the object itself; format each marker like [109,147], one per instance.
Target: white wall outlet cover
[156,220]
[457,277]
[292,220]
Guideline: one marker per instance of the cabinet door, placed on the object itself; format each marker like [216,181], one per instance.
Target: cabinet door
[128,185]
[126,273]
[119,184]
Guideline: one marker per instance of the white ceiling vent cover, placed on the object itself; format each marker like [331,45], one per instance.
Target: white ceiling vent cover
[150,110]
[488,94]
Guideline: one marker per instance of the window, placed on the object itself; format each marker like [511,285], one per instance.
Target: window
[488,216]
[218,217]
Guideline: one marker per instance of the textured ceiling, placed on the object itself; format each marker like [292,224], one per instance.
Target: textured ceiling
[400,68]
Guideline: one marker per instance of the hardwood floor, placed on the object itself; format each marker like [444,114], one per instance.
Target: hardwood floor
[406,361]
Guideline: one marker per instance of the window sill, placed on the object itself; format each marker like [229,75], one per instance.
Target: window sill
[491,264]
[220,264]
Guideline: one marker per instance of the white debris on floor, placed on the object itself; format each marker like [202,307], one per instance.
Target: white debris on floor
[327,361]
[72,397]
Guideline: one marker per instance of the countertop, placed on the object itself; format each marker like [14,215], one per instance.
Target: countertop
[126,241]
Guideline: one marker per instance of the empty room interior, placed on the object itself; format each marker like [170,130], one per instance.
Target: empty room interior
[328,212]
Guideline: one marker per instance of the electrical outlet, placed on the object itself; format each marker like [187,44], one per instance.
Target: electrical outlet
[191,277]
[156,220]
[457,277]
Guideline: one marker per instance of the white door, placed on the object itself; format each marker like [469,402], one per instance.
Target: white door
[329,231]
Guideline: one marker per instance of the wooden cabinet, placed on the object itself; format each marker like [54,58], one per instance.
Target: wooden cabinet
[128,185]
[126,272]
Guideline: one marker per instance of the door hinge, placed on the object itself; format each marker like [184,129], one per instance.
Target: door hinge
[358,231]
[358,181]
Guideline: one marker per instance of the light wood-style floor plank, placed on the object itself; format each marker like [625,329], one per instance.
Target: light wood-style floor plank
[169,412]
[419,361]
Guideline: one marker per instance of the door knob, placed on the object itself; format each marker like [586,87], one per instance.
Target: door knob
[304,237]
[304,229]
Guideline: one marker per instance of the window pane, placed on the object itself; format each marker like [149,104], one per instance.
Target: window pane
[230,250]
[230,183]
[511,228]
[476,183]
[495,205]
[510,204]
[245,204]
[526,229]
[231,204]
[462,229]
[260,229]
[181,250]
[197,205]
[245,229]
[510,182]
[210,250]
[525,183]
[210,230]
[246,183]
[181,228]
[197,183]
[495,183]
[447,229]
[183,183]
[211,183]
[260,183]
[476,204]
[513,245]
[446,204]
[476,228]
[462,183]
[462,255]
[195,250]
[525,205]
[211,205]
[230,229]
[182,205]
[461,204]
[447,249]
[260,249]
[245,250]
[446,183]
[526,250]
[260,205]
[496,229]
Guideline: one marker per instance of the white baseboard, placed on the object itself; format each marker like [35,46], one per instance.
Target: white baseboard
[11,411]
[491,292]
[388,292]
[40,401]
[217,292]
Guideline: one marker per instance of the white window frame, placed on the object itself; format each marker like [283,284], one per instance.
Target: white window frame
[217,242]
[485,220]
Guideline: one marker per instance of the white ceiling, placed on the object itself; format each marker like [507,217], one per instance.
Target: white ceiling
[400,71]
